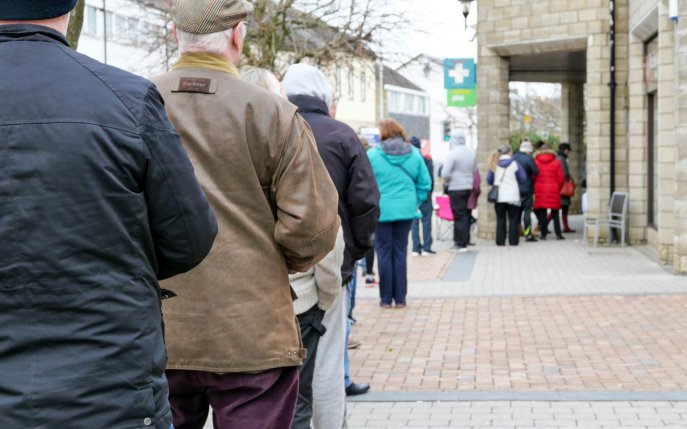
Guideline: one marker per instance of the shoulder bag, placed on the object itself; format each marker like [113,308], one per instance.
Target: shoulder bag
[493,195]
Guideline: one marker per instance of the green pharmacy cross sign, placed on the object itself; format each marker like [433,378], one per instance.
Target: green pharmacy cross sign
[460,78]
[462,97]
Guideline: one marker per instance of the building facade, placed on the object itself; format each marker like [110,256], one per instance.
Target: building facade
[407,103]
[635,141]
[428,73]
[127,34]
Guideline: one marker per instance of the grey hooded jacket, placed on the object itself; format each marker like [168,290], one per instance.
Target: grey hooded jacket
[459,165]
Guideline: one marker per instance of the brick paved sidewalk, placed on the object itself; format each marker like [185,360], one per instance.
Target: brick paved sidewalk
[518,415]
[606,343]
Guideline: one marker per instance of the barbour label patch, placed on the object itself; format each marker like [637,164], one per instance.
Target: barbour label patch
[194,84]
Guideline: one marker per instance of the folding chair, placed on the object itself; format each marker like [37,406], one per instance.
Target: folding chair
[444,218]
[617,217]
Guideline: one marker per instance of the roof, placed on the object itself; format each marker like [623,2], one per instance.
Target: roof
[392,77]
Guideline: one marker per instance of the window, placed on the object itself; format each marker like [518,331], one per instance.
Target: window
[337,81]
[363,87]
[132,31]
[409,104]
[394,101]
[109,24]
[422,105]
[91,20]
[351,88]
[120,26]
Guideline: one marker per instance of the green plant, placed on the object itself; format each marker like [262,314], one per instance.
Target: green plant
[534,137]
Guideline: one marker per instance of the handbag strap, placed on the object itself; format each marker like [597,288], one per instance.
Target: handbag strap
[503,176]
[401,167]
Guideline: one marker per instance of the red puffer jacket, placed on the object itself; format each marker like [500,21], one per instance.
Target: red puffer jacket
[548,184]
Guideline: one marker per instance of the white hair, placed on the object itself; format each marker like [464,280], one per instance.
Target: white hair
[264,79]
[214,43]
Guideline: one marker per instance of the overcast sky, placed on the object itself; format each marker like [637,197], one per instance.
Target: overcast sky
[437,28]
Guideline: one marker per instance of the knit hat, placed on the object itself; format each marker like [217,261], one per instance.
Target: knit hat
[34,10]
[209,16]
[526,146]
[505,149]
[416,142]
[304,79]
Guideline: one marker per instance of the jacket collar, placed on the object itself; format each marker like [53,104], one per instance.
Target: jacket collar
[309,104]
[31,32]
[204,60]
[396,146]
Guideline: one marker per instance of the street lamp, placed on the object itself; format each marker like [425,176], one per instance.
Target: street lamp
[466,10]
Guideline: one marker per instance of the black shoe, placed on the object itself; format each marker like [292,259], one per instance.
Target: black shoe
[357,389]
[543,237]
[431,252]
[560,237]
[531,239]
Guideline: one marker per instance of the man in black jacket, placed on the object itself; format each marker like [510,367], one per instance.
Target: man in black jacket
[98,201]
[524,159]
[348,166]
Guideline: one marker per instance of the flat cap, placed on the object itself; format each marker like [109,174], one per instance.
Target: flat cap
[209,16]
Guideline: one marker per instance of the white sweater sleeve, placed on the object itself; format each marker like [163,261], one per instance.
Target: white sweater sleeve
[328,274]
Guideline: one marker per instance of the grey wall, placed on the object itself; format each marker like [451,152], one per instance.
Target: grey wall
[417,126]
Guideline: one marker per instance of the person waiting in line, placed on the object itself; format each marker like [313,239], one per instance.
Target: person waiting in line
[547,189]
[525,160]
[564,150]
[474,200]
[403,182]
[505,173]
[423,247]
[98,202]
[256,158]
[457,173]
[358,196]
[319,309]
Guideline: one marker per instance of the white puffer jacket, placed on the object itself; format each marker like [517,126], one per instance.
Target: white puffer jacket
[507,181]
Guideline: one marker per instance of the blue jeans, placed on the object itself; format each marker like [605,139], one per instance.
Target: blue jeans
[426,209]
[391,244]
[352,286]
[347,371]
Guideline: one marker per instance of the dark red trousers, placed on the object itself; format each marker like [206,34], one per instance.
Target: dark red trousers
[239,401]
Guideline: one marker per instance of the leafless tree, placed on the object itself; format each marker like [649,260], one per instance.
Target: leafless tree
[75,24]
[320,30]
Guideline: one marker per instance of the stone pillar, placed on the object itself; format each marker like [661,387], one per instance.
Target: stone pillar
[638,162]
[680,177]
[667,144]
[572,131]
[494,107]
[598,115]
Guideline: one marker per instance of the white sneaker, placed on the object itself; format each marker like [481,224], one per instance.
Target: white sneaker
[463,250]
[416,254]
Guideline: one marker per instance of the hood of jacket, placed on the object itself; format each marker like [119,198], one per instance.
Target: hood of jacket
[546,156]
[309,104]
[396,150]
[505,161]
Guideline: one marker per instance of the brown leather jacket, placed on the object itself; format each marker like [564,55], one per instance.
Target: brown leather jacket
[276,208]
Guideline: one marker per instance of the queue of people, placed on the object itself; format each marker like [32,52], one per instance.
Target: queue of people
[237,206]
[527,183]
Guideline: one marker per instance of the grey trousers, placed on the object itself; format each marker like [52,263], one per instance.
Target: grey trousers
[311,331]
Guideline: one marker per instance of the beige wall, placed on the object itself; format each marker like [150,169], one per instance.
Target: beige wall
[356,111]
[517,27]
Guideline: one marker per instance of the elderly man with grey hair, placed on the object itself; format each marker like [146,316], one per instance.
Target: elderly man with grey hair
[350,169]
[457,174]
[233,339]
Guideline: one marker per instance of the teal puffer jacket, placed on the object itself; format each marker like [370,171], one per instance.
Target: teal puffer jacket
[402,178]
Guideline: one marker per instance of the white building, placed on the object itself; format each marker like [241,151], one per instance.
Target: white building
[428,73]
[126,34]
